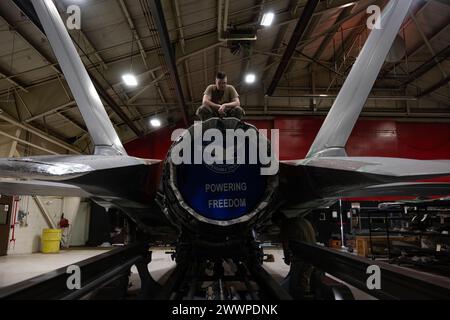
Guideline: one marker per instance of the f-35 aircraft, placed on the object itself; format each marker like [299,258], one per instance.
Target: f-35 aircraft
[220,206]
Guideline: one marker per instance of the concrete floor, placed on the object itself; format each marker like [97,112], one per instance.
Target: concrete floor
[16,268]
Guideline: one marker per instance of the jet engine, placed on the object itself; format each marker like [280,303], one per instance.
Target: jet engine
[220,179]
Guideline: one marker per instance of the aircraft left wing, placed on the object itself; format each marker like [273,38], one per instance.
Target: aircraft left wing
[102,177]
[110,177]
[40,188]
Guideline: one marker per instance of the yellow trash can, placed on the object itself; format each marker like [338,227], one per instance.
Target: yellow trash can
[50,240]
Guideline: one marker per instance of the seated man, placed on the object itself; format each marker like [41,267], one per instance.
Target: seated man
[220,100]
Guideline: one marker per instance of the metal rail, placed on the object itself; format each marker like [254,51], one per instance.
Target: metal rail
[397,283]
[96,272]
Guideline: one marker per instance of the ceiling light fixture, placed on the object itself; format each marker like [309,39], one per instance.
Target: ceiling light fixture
[267,19]
[156,123]
[130,80]
[250,78]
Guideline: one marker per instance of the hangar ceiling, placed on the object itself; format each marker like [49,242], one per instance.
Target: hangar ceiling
[120,36]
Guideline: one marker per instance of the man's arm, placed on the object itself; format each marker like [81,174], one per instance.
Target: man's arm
[207,101]
[230,105]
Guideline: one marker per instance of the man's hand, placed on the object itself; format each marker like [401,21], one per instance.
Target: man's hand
[222,110]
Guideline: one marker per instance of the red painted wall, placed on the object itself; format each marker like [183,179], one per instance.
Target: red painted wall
[384,138]
[153,146]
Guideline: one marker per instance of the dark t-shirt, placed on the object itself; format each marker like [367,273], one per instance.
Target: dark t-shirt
[221,97]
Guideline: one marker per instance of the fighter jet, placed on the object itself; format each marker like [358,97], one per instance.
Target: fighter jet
[220,204]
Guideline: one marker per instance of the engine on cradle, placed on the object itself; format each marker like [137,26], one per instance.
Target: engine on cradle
[217,187]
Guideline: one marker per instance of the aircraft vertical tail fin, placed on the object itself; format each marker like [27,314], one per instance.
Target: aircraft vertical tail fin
[341,119]
[99,125]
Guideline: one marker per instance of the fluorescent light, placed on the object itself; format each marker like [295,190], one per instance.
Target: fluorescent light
[267,19]
[155,123]
[129,80]
[250,78]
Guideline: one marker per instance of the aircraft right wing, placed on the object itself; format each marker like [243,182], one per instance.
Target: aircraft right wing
[337,177]
[408,189]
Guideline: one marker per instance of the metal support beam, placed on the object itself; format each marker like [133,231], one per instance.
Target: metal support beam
[397,283]
[25,6]
[160,22]
[435,87]
[329,37]
[39,133]
[44,212]
[26,142]
[280,36]
[97,271]
[13,148]
[51,111]
[428,65]
[435,57]
[279,56]
[268,284]
[297,35]
[179,24]
[15,83]
[421,46]
[83,37]
[134,32]
[327,96]
[313,24]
